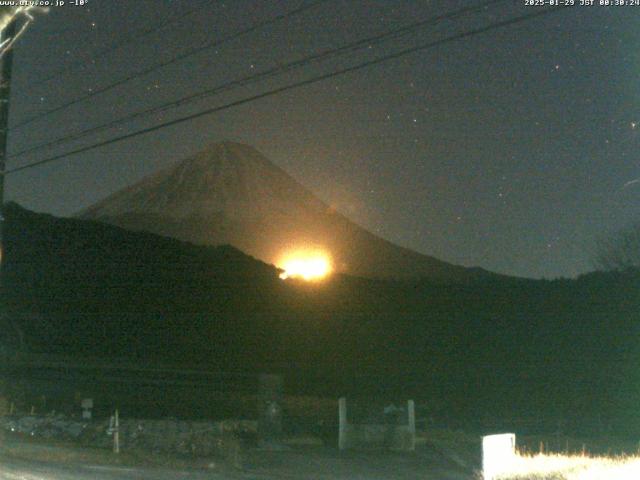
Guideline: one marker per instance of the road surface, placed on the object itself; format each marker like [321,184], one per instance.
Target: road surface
[305,464]
[12,468]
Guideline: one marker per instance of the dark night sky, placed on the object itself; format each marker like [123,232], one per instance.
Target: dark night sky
[508,150]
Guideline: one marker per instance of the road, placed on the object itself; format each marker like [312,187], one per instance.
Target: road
[21,460]
[12,468]
[348,468]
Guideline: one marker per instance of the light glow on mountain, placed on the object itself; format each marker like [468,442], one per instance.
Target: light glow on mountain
[307,265]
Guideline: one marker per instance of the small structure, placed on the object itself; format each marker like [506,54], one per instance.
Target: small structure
[397,431]
[87,406]
[498,454]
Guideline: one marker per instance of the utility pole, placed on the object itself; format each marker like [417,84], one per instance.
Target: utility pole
[6,63]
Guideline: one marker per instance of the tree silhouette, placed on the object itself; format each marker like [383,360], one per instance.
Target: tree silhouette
[620,251]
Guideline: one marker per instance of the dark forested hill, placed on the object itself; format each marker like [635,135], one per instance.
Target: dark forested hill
[565,347]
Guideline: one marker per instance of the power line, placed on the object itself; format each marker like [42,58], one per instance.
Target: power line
[293,86]
[170,61]
[116,45]
[347,48]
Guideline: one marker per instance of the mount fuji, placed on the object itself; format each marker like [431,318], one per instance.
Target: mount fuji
[230,193]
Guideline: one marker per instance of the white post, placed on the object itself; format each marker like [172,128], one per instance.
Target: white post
[411,413]
[342,417]
[498,454]
[116,434]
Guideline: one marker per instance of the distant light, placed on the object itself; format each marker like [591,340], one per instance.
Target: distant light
[307,265]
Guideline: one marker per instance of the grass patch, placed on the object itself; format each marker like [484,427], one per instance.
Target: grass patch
[572,467]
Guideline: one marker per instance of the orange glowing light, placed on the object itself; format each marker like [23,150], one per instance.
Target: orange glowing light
[306,265]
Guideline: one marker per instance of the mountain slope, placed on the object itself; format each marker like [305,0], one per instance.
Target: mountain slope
[231,194]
